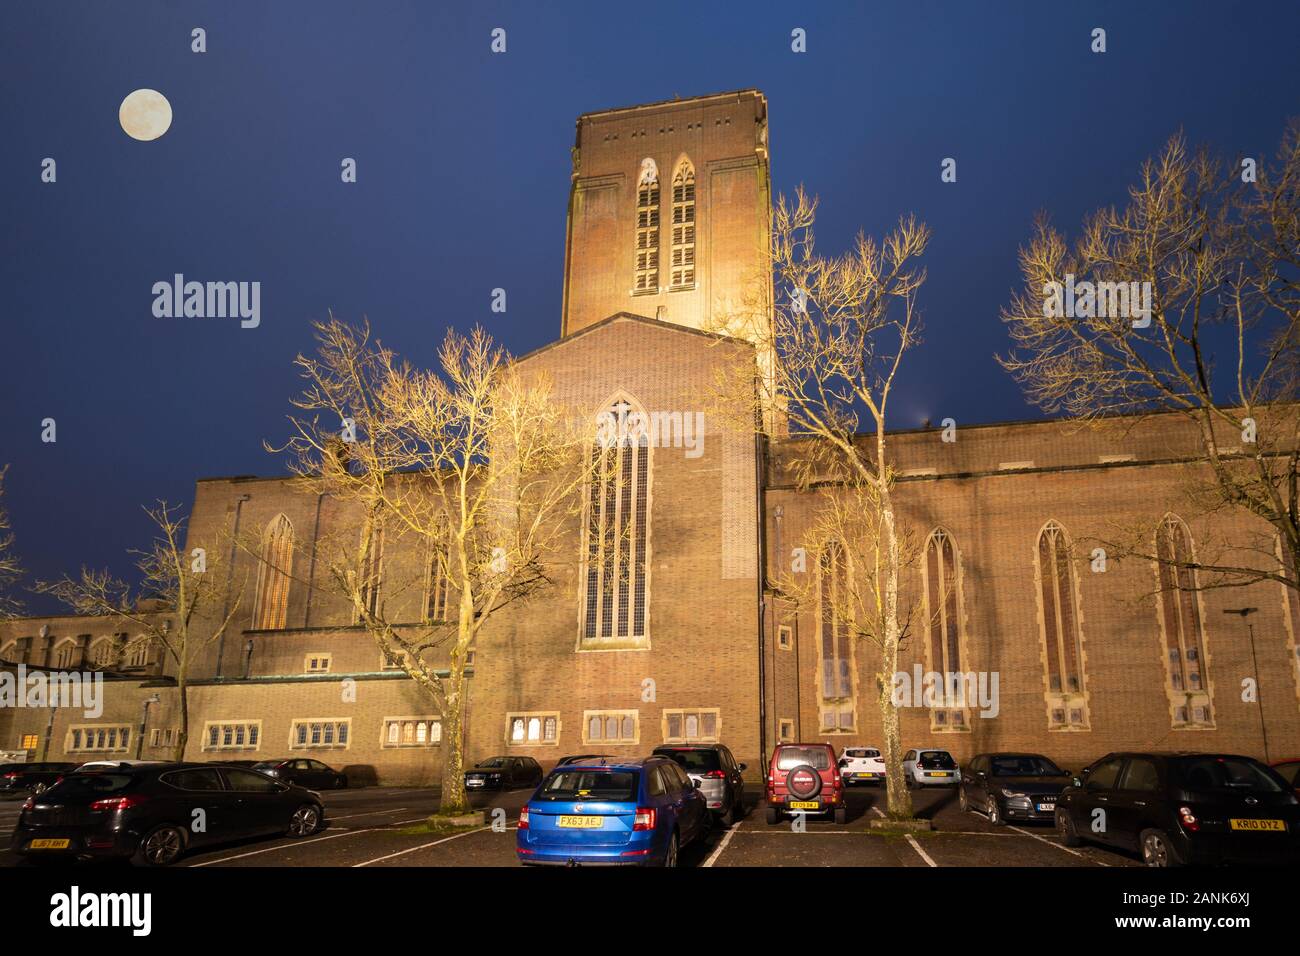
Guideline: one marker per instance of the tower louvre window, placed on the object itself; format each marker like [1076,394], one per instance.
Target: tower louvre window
[683,249]
[647,232]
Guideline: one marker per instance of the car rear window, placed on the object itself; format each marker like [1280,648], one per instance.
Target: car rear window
[90,784]
[590,785]
[819,758]
[693,761]
[861,753]
[1227,775]
[1024,767]
[936,760]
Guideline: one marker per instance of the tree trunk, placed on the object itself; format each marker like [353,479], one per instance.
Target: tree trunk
[899,797]
[453,799]
[183,692]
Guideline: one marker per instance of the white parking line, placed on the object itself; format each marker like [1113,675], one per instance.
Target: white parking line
[295,843]
[370,813]
[917,847]
[722,845]
[1059,846]
[423,846]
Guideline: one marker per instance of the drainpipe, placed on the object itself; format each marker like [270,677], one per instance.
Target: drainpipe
[230,577]
[311,568]
[777,514]
[762,598]
[144,722]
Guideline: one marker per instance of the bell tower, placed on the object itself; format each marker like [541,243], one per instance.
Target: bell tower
[669,213]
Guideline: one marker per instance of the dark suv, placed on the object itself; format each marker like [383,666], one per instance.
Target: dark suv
[716,775]
[26,777]
[1183,808]
[804,778]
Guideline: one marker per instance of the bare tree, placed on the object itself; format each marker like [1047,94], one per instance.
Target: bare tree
[1187,302]
[473,465]
[11,570]
[830,357]
[189,587]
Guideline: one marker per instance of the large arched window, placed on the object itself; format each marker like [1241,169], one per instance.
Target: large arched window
[944,628]
[647,228]
[1182,626]
[372,565]
[103,653]
[617,529]
[683,252]
[65,653]
[436,588]
[835,652]
[1061,631]
[271,604]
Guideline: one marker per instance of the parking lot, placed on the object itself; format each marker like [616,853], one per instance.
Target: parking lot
[381,827]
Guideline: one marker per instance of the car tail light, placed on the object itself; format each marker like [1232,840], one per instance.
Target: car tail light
[645,818]
[1188,819]
[112,804]
[717,774]
[31,802]
[523,818]
[12,776]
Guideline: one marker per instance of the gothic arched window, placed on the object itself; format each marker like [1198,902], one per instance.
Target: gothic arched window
[435,606]
[683,252]
[271,604]
[372,565]
[943,632]
[836,691]
[647,228]
[617,529]
[1061,631]
[1182,626]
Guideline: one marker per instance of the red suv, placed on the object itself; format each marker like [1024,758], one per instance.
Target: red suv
[804,778]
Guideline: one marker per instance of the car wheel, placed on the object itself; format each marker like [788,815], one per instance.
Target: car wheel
[995,813]
[728,816]
[793,775]
[1157,850]
[841,816]
[161,846]
[772,817]
[305,820]
[670,854]
[961,799]
[1065,829]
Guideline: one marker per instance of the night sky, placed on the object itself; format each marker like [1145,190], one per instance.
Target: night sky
[463,175]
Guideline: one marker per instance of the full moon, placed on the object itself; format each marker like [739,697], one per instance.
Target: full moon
[145,115]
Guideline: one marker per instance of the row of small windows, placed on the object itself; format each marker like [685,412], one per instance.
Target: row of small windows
[682,253]
[324,733]
[105,653]
[1179,616]
[696,725]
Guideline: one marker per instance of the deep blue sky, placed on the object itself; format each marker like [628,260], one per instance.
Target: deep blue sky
[463,180]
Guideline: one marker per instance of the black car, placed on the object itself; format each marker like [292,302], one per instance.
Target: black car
[311,774]
[150,814]
[1183,808]
[584,758]
[22,778]
[1011,786]
[503,773]
[716,775]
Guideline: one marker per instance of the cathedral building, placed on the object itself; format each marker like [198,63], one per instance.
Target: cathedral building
[667,627]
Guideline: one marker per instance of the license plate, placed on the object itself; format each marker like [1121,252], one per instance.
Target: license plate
[49,844]
[1276,826]
[938,773]
[802,805]
[868,775]
[1044,807]
[582,823]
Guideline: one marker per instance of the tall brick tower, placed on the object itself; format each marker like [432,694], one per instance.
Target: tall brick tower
[669,213]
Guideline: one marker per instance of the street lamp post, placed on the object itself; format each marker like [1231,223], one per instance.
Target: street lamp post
[144,722]
[1244,613]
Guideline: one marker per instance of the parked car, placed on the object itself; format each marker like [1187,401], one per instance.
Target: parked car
[862,765]
[716,774]
[1176,809]
[804,779]
[583,758]
[1010,786]
[311,774]
[1289,771]
[148,813]
[22,778]
[504,773]
[929,768]
[630,813]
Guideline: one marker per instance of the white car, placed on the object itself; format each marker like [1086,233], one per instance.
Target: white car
[927,767]
[861,765]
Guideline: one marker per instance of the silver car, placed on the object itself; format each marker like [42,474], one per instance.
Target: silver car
[716,775]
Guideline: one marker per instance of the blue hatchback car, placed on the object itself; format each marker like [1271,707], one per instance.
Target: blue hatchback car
[617,813]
